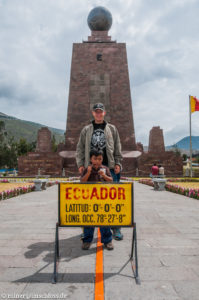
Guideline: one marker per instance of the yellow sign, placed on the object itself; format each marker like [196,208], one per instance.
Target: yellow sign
[95,204]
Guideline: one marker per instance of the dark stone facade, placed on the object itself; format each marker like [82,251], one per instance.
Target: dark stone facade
[99,73]
[45,163]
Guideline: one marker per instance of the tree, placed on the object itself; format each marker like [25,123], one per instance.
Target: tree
[54,144]
[176,150]
[9,154]
[10,150]
[22,147]
[3,132]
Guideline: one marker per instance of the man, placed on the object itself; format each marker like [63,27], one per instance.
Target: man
[100,135]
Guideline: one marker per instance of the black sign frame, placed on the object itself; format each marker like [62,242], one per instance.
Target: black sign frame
[133,256]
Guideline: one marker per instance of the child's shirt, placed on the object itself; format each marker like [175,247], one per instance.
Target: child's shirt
[94,176]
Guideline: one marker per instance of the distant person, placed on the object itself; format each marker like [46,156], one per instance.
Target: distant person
[155,170]
[96,172]
[161,170]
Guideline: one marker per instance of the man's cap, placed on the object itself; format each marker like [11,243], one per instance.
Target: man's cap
[98,106]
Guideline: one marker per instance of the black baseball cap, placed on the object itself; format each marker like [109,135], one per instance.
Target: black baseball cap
[98,106]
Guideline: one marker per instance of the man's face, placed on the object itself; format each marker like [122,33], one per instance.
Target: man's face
[98,115]
[96,161]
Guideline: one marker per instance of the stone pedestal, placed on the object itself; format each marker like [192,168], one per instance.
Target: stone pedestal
[159,184]
[40,184]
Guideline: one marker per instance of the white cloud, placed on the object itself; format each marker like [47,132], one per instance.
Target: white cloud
[36,40]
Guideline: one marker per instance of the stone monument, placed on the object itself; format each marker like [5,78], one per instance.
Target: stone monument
[156,140]
[99,73]
[171,162]
[44,143]
[43,161]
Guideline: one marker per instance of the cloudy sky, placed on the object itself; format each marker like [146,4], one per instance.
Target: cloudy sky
[162,40]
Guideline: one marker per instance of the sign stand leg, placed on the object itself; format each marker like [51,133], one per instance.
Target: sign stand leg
[134,249]
[56,253]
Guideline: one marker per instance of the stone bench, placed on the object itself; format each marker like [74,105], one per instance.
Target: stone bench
[40,184]
[159,183]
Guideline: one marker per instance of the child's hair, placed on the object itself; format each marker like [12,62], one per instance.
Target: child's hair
[96,152]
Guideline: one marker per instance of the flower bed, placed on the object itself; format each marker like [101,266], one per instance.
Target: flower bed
[147,181]
[4,181]
[9,189]
[174,188]
[189,192]
[9,193]
[183,179]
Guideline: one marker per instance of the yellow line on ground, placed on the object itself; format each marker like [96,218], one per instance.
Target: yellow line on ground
[99,276]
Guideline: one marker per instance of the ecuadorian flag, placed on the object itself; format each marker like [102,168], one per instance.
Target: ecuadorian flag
[194,102]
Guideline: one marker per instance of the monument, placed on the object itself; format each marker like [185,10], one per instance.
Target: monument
[99,73]
[171,162]
[156,140]
[44,143]
[43,161]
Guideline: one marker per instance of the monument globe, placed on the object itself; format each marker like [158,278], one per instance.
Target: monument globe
[99,19]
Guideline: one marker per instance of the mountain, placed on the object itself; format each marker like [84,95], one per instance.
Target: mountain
[185,143]
[25,129]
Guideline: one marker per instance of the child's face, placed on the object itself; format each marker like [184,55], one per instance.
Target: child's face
[96,161]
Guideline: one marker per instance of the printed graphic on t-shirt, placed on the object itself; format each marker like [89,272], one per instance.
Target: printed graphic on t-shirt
[98,140]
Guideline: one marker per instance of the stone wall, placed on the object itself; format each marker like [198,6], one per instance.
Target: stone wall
[49,164]
[172,163]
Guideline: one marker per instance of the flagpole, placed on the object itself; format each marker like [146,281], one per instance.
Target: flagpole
[190,136]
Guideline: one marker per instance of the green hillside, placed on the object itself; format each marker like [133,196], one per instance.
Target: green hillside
[28,130]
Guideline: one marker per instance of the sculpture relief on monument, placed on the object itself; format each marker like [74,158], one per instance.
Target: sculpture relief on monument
[99,73]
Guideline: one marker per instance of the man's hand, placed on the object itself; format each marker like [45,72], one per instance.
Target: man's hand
[81,169]
[117,169]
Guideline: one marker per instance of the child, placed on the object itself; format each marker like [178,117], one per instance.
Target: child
[96,172]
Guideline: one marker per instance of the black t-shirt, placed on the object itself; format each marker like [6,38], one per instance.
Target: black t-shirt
[98,140]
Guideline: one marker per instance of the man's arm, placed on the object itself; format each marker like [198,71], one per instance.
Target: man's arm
[117,152]
[80,151]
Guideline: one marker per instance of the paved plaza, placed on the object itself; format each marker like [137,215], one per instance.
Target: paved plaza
[168,250]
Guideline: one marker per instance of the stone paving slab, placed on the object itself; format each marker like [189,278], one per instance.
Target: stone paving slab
[168,250]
